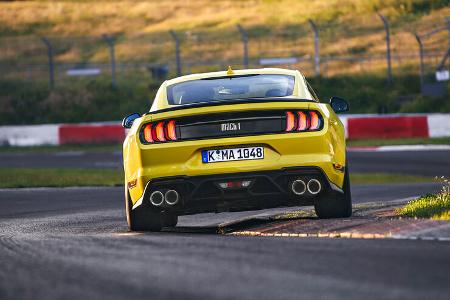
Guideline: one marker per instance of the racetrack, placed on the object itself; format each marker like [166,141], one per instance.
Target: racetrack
[73,243]
[426,163]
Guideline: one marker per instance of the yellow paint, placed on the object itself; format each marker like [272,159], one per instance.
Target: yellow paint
[322,148]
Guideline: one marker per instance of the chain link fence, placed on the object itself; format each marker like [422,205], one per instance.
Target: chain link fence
[324,49]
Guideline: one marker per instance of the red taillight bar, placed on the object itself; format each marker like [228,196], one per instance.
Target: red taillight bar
[290,121]
[171,132]
[148,133]
[314,120]
[159,132]
[303,121]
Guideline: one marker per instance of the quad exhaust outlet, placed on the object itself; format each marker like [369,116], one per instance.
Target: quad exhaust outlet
[157,198]
[171,197]
[314,186]
[298,187]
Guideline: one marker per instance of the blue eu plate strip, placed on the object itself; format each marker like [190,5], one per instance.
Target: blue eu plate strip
[205,156]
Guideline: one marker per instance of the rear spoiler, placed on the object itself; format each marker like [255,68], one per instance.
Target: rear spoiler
[230,102]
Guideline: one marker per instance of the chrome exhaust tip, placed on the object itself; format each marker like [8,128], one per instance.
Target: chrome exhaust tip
[171,197]
[298,187]
[156,198]
[314,186]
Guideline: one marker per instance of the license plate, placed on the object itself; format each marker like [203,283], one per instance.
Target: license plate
[232,154]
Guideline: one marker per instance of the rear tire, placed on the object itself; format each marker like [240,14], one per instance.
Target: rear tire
[336,205]
[141,219]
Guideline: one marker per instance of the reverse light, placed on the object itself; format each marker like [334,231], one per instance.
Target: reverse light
[235,184]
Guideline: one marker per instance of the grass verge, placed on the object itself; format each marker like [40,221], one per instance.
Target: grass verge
[413,141]
[434,206]
[65,177]
[58,177]
[386,178]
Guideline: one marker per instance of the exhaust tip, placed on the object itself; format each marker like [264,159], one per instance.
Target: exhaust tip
[172,197]
[156,198]
[314,186]
[298,187]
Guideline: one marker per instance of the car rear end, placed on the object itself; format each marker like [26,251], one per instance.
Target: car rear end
[235,156]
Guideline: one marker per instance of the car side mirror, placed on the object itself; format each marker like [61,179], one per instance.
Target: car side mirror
[339,105]
[128,120]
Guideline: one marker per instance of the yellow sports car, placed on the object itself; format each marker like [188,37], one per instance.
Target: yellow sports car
[234,140]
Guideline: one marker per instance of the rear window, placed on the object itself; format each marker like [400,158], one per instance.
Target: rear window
[230,87]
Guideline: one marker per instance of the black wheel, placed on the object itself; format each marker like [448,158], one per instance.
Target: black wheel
[336,205]
[141,219]
[169,220]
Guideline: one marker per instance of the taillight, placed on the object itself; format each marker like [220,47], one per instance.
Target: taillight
[314,120]
[303,121]
[290,121]
[160,137]
[171,132]
[148,133]
[159,132]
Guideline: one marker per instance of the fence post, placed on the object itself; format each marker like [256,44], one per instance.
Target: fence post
[112,56]
[421,61]
[447,21]
[447,54]
[244,39]
[316,47]
[51,69]
[177,51]
[388,46]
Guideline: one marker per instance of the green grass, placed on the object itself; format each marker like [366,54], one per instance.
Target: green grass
[386,178]
[387,142]
[58,177]
[65,177]
[62,148]
[434,206]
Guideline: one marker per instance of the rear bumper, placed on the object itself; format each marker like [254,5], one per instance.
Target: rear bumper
[267,189]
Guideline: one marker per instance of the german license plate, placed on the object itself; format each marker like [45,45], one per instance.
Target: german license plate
[232,154]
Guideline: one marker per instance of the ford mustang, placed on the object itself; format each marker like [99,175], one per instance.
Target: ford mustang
[234,140]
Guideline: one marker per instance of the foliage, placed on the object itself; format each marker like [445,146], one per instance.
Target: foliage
[435,206]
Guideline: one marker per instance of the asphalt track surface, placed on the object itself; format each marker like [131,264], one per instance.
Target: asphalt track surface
[73,243]
[426,163]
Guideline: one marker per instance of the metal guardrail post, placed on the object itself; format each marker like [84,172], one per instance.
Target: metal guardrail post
[177,51]
[51,68]
[421,60]
[112,56]
[244,39]
[388,46]
[316,47]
